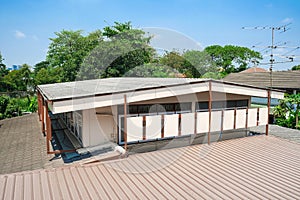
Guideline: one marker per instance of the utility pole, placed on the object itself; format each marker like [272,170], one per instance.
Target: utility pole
[283,28]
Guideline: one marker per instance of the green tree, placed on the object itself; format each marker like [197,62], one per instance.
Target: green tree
[153,70]
[68,50]
[288,111]
[296,67]
[198,63]
[232,58]
[174,60]
[41,65]
[20,80]
[124,49]
[47,76]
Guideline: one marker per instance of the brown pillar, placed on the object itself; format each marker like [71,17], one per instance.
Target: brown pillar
[144,127]
[48,127]
[269,105]
[195,124]
[209,110]
[125,122]
[43,115]
[162,126]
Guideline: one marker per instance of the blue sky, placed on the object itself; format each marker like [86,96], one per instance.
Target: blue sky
[26,26]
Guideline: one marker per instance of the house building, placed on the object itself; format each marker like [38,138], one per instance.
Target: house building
[282,80]
[134,110]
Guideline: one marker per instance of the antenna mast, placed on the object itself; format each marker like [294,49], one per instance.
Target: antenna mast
[273,46]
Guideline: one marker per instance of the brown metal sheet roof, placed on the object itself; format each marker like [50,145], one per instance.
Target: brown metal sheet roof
[280,79]
[259,167]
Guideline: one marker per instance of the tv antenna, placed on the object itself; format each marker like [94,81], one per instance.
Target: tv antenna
[273,46]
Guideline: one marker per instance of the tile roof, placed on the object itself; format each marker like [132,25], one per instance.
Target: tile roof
[259,167]
[254,69]
[280,79]
[23,146]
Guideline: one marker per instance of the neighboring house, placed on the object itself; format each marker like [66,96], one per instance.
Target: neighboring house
[156,108]
[254,70]
[282,80]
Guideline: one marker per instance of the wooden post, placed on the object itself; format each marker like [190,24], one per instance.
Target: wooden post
[222,122]
[144,127]
[209,110]
[39,105]
[43,116]
[162,126]
[257,119]
[179,124]
[246,125]
[48,126]
[269,105]
[125,122]
[195,124]
[234,119]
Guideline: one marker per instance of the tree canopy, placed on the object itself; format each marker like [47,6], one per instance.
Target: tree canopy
[232,58]
[288,111]
[124,49]
[68,50]
[296,67]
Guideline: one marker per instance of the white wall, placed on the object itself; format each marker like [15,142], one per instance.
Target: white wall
[96,129]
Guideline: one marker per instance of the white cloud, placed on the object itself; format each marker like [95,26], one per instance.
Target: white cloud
[287,20]
[19,34]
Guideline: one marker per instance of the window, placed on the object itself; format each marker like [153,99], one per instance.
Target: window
[156,108]
[219,105]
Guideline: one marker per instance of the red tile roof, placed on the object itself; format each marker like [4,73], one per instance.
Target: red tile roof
[253,70]
[259,167]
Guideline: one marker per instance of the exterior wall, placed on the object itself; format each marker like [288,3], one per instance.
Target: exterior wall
[100,125]
[97,129]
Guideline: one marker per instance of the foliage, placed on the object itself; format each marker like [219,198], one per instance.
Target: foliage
[18,80]
[12,107]
[68,50]
[288,111]
[232,58]
[212,75]
[198,63]
[124,49]
[296,67]
[153,70]
[192,63]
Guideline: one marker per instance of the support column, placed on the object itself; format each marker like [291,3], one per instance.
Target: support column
[269,105]
[48,127]
[209,110]
[125,122]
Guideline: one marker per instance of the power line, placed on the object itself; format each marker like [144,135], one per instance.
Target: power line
[273,45]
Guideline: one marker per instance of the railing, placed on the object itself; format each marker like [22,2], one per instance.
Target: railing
[142,128]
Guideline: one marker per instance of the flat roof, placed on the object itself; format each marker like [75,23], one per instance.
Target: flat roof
[82,95]
[258,167]
[75,89]
[58,91]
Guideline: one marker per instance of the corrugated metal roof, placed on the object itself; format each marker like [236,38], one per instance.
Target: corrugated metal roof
[280,80]
[107,86]
[259,167]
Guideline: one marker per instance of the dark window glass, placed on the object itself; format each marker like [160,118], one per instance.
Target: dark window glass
[242,103]
[133,109]
[143,108]
[169,107]
[202,106]
[218,104]
[183,107]
[231,104]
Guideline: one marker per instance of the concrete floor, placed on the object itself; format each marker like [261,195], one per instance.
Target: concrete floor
[278,131]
